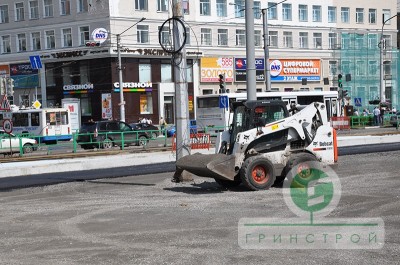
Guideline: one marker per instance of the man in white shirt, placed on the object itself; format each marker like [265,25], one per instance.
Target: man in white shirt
[377,112]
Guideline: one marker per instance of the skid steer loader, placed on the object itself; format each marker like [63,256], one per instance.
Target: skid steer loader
[264,143]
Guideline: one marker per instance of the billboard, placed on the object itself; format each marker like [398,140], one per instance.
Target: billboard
[293,70]
[211,67]
[24,75]
[241,66]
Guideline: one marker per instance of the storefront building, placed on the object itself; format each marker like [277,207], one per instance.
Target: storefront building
[307,44]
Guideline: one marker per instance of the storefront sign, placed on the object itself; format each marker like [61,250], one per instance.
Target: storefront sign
[106,107]
[295,69]
[134,87]
[24,76]
[4,70]
[241,66]
[69,54]
[78,89]
[212,67]
[100,35]
[155,52]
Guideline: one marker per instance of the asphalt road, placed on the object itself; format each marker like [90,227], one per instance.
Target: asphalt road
[146,219]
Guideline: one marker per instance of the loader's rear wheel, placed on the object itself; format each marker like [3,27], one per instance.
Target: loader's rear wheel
[302,160]
[228,184]
[258,173]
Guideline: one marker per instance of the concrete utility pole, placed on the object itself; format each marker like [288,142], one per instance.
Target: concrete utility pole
[250,52]
[181,89]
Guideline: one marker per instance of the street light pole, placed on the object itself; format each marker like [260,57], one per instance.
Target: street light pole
[266,47]
[266,51]
[381,72]
[121,87]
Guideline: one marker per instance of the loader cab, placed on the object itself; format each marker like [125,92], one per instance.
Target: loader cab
[255,113]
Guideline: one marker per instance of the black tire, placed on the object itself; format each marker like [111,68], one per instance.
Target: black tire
[154,135]
[257,173]
[142,141]
[87,146]
[224,148]
[107,143]
[27,148]
[228,184]
[293,161]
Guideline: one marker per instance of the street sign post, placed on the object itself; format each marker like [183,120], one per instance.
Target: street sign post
[223,102]
[7,126]
[357,102]
[36,63]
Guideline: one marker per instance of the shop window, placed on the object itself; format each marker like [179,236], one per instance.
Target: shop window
[51,101]
[84,73]
[189,74]
[67,75]
[86,106]
[144,72]
[50,79]
[146,104]
[166,73]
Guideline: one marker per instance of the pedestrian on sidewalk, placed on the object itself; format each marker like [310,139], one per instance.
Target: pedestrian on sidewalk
[162,124]
[376,116]
[381,115]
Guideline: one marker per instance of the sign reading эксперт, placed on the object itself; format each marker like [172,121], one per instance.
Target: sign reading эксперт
[312,194]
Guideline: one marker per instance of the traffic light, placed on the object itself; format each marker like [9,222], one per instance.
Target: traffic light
[345,93]
[10,90]
[340,81]
[92,44]
[2,86]
[222,83]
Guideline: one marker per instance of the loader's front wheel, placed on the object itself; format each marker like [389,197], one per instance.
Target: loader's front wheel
[258,173]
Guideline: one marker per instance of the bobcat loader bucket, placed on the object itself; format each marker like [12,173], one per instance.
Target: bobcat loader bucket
[218,166]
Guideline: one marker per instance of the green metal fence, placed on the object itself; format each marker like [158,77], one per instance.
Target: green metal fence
[95,141]
[363,121]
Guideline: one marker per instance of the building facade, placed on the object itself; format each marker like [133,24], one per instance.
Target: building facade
[310,43]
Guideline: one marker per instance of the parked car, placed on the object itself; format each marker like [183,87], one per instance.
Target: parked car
[171,130]
[395,118]
[106,134]
[28,145]
[149,128]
